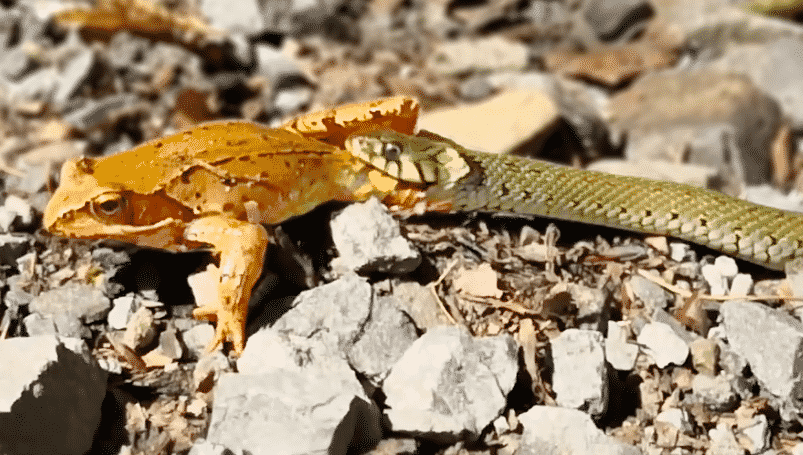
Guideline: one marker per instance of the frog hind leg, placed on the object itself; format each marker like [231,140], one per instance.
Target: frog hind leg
[242,248]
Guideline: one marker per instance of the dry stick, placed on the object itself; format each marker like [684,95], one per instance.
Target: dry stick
[687,294]
[434,292]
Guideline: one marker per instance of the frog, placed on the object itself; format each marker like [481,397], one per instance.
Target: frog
[214,186]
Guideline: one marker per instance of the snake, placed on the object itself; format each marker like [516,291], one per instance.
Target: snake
[451,178]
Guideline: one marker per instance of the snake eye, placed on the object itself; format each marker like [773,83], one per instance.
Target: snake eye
[392,151]
[108,205]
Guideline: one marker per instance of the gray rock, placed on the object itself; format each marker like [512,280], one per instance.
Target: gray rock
[611,19]
[651,295]
[298,366]
[15,63]
[417,301]
[589,301]
[292,100]
[385,338]
[618,352]
[580,379]
[769,340]
[71,306]
[198,337]
[773,66]
[678,418]
[288,412]
[472,54]
[323,323]
[122,308]
[368,239]
[552,431]
[49,386]
[204,447]
[475,88]
[757,434]
[244,17]
[36,325]
[95,113]
[76,73]
[772,197]
[687,174]
[683,117]
[275,65]
[448,383]
[663,344]
[723,442]
[37,85]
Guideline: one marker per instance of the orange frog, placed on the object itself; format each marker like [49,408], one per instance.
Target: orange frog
[215,184]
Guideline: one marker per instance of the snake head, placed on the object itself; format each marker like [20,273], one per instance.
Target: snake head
[424,160]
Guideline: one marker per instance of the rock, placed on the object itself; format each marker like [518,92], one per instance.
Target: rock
[704,354]
[726,266]
[723,442]
[71,306]
[96,113]
[651,295]
[612,19]
[676,417]
[714,392]
[368,239]
[417,302]
[292,100]
[685,117]
[286,412]
[140,330]
[579,104]
[198,337]
[687,174]
[385,338]
[579,379]
[774,66]
[742,284]
[498,124]
[76,73]
[770,196]
[768,339]
[663,344]
[715,280]
[323,322]
[552,430]
[122,308]
[680,251]
[281,70]
[246,17]
[49,386]
[755,435]
[618,352]
[449,384]
[472,54]
[36,325]
[298,366]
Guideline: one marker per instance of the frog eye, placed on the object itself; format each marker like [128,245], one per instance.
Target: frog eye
[391,151]
[108,205]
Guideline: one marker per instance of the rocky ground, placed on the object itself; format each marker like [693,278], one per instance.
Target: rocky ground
[464,334]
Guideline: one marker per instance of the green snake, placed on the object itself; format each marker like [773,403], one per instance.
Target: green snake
[459,180]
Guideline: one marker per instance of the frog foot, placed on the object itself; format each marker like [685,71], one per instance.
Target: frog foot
[230,326]
[241,246]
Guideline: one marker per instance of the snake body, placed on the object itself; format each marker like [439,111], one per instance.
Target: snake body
[456,179]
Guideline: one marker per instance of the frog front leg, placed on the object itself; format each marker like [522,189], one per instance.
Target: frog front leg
[241,246]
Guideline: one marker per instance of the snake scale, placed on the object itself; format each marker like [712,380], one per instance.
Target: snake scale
[455,179]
